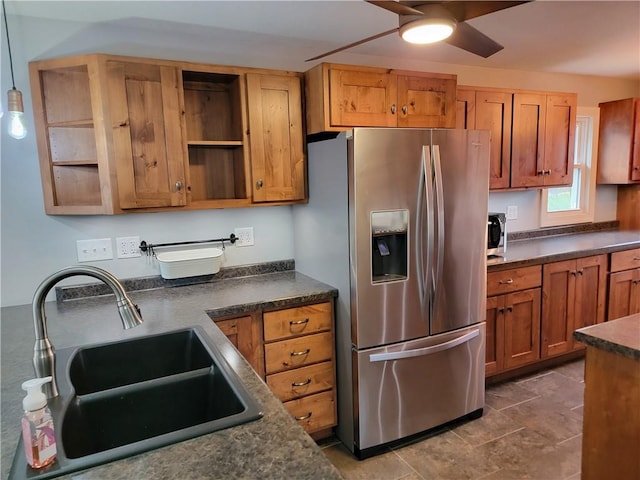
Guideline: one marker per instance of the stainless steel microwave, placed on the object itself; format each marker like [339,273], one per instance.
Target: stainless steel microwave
[496,233]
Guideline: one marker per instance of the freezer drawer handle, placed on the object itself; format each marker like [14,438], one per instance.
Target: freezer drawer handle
[419,352]
[298,354]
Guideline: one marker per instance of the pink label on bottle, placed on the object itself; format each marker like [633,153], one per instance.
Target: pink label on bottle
[26,438]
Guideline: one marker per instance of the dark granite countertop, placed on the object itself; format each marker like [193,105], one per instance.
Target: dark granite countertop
[274,447]
[536,251]
[620,336]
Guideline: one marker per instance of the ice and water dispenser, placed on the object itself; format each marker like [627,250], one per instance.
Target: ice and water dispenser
[389,245]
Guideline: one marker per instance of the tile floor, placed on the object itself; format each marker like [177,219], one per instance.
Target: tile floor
[531,429]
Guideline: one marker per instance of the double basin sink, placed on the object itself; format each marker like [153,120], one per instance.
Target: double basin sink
[122,398]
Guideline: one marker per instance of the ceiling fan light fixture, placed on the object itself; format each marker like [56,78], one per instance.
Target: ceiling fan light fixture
[427,30]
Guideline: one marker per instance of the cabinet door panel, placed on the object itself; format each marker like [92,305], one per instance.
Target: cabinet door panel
[495,335]
[426,102]
[560,139]
[621,289]
[529,112]
[635,148]
[590,293]
[493,113]
[147,137]
[275,129]
[466,109]
[558,304]
[522,328]
[245,334]
[362,98]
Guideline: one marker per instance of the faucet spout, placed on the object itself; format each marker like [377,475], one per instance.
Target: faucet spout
[43,351]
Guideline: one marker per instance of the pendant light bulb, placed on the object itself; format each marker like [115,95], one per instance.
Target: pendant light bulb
[15,110]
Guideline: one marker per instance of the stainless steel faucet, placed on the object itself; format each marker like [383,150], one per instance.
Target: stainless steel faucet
[43,352]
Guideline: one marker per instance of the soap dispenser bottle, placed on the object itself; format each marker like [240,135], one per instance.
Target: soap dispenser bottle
[37,425]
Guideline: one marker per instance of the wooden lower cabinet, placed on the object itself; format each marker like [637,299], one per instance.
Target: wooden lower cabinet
[573,296]
[513,318]
[293,350]
[624,284]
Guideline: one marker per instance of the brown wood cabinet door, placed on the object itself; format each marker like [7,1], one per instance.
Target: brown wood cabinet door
[591,287]
[466,109]
[426,102]
[275,129]
[147,135]
[493,113]
[495,335]
[624,293]
[635,149]
[619,142]
[558,306]
[527,153]
[365,99]
[522,328]
[245,334]
[560,128]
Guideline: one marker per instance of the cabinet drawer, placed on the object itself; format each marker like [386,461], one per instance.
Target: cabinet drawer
[302,381]
[292,322]
[298,352]
[314,412]
[625,260]
[512,280]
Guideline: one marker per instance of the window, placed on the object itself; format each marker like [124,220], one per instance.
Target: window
[575,203]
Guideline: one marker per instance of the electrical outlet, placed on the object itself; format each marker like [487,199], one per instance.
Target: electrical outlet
[512,212]
[128,247]
[244,237]
[94,249]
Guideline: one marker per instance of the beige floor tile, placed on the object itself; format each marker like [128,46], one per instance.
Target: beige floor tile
[557,387]
[506,395]
[493,424]
[386,466]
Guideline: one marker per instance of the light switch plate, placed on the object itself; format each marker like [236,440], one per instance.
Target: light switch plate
[94,249]
[512,212]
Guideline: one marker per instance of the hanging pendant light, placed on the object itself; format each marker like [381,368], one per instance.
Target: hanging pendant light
[15,108]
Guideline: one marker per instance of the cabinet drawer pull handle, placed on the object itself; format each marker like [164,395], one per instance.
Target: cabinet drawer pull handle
[301,384]
[506,282]
[304,417]
[302,352]
[298,322]
[636,259]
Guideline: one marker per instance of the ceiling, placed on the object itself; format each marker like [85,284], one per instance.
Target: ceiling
[578,37]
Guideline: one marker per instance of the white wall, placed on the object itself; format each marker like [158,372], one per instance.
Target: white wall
[35,245]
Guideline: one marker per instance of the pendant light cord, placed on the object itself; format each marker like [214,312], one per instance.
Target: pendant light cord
[6,28]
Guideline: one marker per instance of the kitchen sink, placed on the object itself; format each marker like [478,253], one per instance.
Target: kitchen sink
[122,398]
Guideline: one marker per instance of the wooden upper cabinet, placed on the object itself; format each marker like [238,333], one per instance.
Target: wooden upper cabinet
[532,134]
[144,109]
[122,133]
[276,137]
[619,142]
[425,101]
[364,99]
[339,97]
[494,113]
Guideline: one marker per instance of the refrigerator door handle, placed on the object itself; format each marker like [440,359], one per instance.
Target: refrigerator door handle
[428,184]
[439,213]
[420,352]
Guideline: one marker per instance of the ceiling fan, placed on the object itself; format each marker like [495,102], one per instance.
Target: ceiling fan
[439,21]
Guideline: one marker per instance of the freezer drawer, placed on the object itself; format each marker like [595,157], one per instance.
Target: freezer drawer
[407,388]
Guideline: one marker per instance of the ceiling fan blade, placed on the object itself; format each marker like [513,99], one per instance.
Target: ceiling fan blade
[468,38]
[396,7]
[354,44]
[465,10]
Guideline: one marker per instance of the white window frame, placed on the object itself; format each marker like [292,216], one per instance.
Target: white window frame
[588,117]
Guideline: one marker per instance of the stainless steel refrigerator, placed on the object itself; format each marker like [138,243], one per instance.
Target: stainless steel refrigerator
[397,221]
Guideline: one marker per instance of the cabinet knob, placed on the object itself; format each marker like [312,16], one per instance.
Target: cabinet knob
[510,309]
[178,186]
[547,172]
[393,108]
[259,184]
[501,310]
[404,109]
[580,272]
[540,172]
[573,273]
